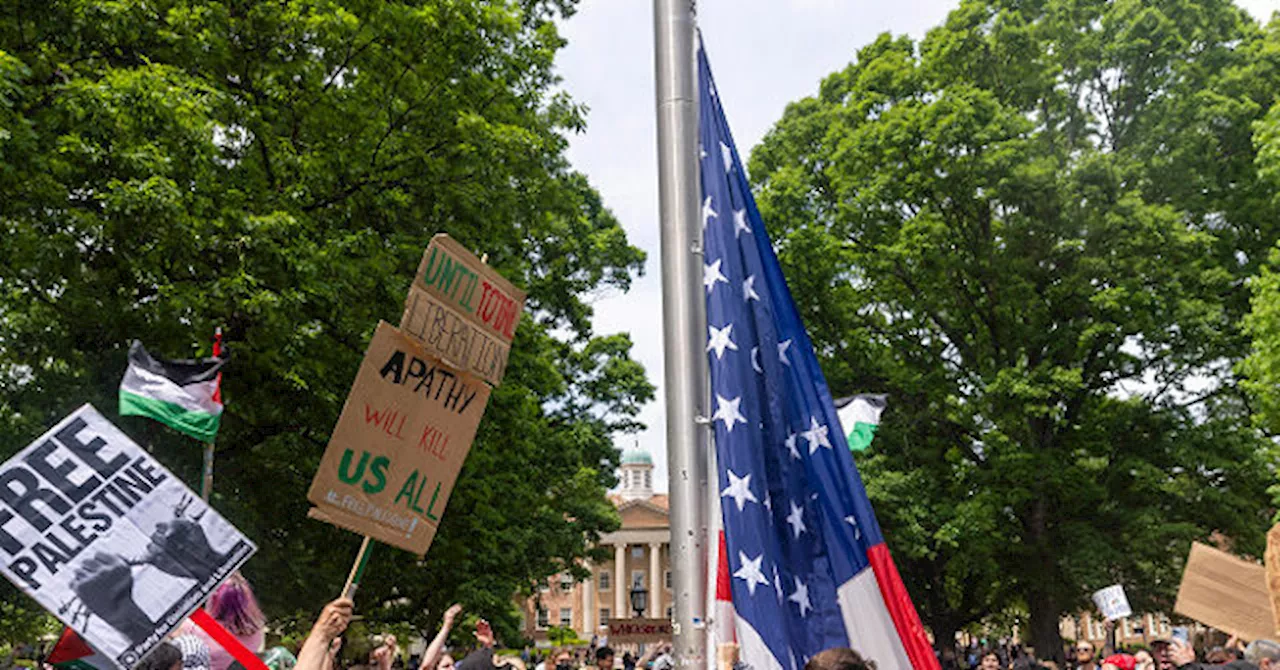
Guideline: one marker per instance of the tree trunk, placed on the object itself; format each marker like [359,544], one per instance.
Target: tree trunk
[1042,601]
[944,631]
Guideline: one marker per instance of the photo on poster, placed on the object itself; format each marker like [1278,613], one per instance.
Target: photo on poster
[105,538]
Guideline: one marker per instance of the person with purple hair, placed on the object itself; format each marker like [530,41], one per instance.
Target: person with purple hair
[234,606]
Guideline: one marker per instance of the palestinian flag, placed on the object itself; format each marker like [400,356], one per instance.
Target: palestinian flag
[859,416]
[182,394]
[73,653]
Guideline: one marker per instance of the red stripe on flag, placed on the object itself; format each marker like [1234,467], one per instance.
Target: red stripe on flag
[901,609]
[227,641]
[724,585]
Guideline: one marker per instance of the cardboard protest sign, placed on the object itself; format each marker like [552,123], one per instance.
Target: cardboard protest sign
[628,631]
[463,311]
[396,452]
[1272,562]
[1227,593]
[1112,602]
[109,541]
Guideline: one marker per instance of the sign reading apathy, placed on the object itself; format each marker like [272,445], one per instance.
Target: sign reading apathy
[403,435]
[109,541]
[462,310]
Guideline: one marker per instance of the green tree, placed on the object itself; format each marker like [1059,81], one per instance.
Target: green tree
[1032,230]
[277,168]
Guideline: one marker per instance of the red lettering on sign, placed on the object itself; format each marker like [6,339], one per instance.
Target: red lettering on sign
[434,442]
[390,421]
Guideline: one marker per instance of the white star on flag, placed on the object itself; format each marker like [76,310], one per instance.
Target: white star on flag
[751,571]
[816,435]
[711,275]
[720,340]
[777,583]
[782,346]
[801,597]
[796,519]
[755,360]
[739,489]
[727,411]
[791,446]
[707,212]
[740,223]
[749,289]
[857,532]
[727,156]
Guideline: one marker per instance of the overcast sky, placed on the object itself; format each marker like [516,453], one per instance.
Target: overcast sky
[765,54]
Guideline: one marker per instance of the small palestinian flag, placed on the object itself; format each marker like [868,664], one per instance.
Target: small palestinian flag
[859,416]
[73,653]
[182,394]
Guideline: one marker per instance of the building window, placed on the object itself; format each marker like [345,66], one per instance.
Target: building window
[666,580]
[605,614]
[637,552]
[566,583]
[544,618]
[566,616]
[648,480]
[544,587]
[606,580]
[637,579]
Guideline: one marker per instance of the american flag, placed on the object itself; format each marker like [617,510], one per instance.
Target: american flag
[804,562]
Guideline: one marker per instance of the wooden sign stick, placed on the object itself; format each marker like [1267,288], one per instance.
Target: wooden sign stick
[357,569]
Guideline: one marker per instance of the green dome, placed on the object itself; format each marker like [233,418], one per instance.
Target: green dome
[636,457]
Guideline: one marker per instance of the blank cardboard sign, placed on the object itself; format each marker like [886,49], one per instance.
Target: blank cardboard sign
[1227,593]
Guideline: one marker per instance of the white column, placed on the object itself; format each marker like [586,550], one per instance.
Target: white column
[655,580]
[620,583]
[589,605]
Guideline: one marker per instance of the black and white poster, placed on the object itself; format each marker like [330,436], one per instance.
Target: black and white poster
[107,539]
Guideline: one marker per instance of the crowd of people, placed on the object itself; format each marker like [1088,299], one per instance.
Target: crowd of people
[1173,653]
[234,606]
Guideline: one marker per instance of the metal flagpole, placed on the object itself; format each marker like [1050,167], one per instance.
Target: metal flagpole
[683,311]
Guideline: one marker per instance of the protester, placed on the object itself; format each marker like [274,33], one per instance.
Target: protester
[196,654]
[839,658]
[234,606]
[1263,653]
[1120,662]
[1143,660]
[385,654]
[628,661]
[331,623]
[1084,656]
[166,656]
[604,658]
[990,660]
[434,657]
[482,657]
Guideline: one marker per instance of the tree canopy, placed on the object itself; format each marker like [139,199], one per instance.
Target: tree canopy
[1032,229]
[277,168]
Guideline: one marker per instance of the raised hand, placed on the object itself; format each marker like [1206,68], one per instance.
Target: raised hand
[181,548]
[451,614]
[484,633]
[333,619]
[104,583]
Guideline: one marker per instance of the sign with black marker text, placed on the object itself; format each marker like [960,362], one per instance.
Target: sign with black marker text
[104,537]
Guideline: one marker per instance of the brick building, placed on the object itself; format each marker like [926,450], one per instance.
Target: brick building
[641,561]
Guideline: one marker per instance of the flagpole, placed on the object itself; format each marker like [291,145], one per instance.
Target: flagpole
[683,311]
[206,471]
